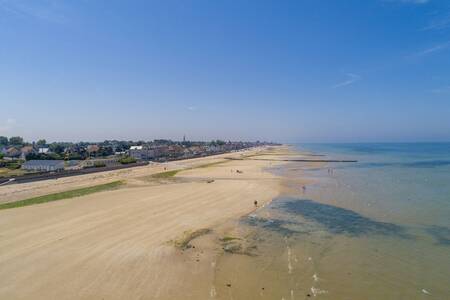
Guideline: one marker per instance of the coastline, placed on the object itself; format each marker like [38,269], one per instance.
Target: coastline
[122,243]
[190,230]
[15,192]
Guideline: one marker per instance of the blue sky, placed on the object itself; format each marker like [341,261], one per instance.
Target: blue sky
[289,71]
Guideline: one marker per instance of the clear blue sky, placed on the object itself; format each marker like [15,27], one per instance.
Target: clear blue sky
[373,70]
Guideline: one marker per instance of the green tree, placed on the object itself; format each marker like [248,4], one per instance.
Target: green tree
[3,141]
[16,140]
[57,148]
[127,160]
[105,151]
[41,142]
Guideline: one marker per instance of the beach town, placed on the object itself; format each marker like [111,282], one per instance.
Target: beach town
[18,158]
[224,150]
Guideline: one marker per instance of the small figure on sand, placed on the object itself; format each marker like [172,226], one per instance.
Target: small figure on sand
[256,203]
[304,189]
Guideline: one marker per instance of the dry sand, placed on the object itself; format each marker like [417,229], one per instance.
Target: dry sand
[119,244]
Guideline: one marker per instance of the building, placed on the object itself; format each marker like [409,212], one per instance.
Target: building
[92,148]
[136,147]
[43,150]
[25,151]
[40,165]
[141,153]
[12,152]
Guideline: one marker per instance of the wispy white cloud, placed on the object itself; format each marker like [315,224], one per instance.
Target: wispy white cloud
[438,23]
[7,125]
[192,108]
[418,2]
[47,10]
[441,90]
[411,1]
[351,78]
[431,50]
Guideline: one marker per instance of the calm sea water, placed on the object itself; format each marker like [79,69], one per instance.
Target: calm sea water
[403,183]
[375,229]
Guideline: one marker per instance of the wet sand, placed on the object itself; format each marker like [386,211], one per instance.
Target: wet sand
[324,244]
[121,244]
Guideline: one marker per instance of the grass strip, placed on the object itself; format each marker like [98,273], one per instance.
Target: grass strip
[63,195]
[226,239]
[172,173]
[166,174]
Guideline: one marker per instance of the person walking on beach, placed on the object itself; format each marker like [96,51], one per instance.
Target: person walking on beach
[256,203]
[304,189]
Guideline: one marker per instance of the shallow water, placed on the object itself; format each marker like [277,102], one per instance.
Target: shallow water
[376,229]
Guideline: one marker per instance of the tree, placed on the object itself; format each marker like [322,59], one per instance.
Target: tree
[57,148]
[41,142]
[105,151]
[3,141]
[16,140]
[127,160]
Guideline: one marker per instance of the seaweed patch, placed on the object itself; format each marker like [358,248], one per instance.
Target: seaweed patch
[441,234]
[339,220]
[275,225]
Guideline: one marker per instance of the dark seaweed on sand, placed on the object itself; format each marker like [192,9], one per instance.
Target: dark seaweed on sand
[441,234]
[340,220]
[276,225]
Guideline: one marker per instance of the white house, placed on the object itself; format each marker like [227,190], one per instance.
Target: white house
[43,150]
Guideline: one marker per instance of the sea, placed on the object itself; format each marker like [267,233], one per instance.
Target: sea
[377,228]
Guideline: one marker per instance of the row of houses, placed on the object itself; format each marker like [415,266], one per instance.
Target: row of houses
[15,152]
[21,152]
[65,156]
[177,151]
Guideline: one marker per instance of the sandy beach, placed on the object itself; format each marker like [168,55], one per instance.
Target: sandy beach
[133,242]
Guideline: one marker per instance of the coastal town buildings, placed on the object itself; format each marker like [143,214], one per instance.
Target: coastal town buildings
[47,157]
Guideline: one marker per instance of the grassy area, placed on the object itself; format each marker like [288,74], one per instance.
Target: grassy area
[172,173]
[166,174]
[63,195]
[5,172]
[229,238]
